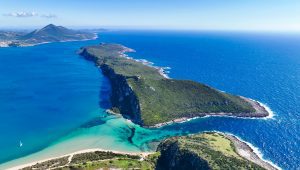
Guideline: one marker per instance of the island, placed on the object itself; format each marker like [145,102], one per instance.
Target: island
[47,34]
[208,150]
[148,97]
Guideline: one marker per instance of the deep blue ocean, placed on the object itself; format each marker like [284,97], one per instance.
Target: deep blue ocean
[48,90]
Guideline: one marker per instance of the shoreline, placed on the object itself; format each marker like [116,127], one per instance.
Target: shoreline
[258,106]
[187,119]
[243,148]
[70,155]
[32,45]
[250,152]
[161,70]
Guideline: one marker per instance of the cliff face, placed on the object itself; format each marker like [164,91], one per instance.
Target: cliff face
[172,157]
[122,98]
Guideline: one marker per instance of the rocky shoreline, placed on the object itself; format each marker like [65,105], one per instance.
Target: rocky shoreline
[126,100]
[247,151]
[261,110]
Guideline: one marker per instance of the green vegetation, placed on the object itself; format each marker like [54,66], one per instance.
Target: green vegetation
[167,99]
[99,155]
[154,99]
[49,164]
[107,160]
[97,160]
[109,54]
[213,149]
[108,164]
[208,150]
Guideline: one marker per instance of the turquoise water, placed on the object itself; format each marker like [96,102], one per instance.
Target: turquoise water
[45,92]
[265,67]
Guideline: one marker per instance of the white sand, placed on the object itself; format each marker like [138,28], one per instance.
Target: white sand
[143,155]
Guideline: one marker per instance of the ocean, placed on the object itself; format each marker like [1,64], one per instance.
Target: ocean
[53,102]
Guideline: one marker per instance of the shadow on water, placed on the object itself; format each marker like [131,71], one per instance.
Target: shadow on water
[104,103]
[105,93]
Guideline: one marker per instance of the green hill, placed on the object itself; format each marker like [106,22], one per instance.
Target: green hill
[53,33]
[204,151]
[49,33]
[141,93]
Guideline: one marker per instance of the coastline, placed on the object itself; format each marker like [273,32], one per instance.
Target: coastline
[70,155]
[5,45]
[206,115]
[243,148]
[181,120]
[161,70]
[250,152]
[262,110]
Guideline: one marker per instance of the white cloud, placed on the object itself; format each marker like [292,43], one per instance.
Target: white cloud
[49,16]
[21,14]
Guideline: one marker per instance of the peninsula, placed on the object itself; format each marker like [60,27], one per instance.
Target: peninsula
[47,34]
[146,96]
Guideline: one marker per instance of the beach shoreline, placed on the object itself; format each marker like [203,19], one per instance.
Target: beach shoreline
[70,155]
[243,148]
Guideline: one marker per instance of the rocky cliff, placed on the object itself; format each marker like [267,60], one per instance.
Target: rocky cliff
[175,158]
[123,99]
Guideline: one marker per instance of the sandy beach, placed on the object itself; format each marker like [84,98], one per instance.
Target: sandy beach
[142,154]
[243,148]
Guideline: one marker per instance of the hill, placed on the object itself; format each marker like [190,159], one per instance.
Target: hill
[49,33]
[53,33]
[141,93]
[208,151]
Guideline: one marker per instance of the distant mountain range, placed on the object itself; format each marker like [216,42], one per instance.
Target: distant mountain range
[49,33]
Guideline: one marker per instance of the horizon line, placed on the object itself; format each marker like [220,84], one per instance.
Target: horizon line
[152,28]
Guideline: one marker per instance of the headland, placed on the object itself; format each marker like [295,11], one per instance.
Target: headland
[148,97]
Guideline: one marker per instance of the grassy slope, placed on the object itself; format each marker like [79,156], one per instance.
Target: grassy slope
[107,160]
[162,99]
[215,148]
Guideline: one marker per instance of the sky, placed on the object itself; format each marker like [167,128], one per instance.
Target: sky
[265,15]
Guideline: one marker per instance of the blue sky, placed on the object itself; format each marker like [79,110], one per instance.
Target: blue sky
[274,15]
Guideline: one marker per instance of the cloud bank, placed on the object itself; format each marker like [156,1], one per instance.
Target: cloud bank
[23,14]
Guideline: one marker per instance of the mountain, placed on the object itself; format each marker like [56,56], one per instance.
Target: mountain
[53,33]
